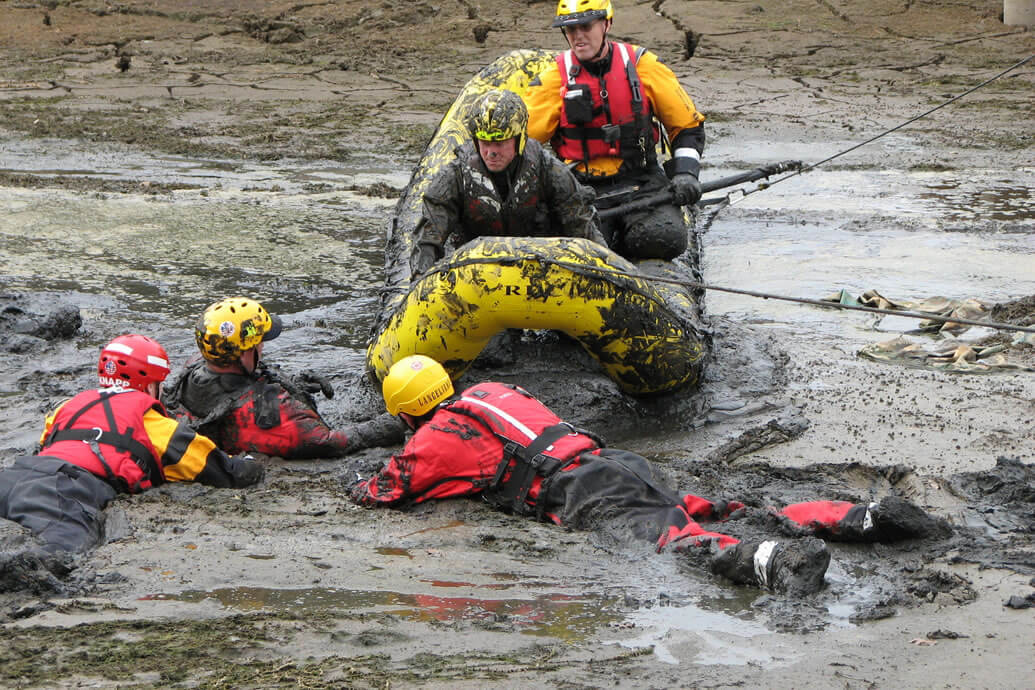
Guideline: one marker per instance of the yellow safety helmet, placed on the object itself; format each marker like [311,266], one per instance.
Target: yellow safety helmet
[233,326]
[573,12]
[500,115]
[415,385]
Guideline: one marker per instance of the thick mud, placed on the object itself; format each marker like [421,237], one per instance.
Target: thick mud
[155,156]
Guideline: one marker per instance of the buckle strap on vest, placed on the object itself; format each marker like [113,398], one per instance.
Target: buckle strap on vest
[123,442]
[529,462]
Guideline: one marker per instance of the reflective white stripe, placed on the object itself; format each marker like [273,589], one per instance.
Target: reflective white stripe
[762,555]
[566,59]
[120,347]
[623,50]
[157,361]
[687,152]
[570,7]
[520,427]
[868,518]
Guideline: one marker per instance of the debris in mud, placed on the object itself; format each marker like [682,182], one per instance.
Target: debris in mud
[1019,312]
[481,32]
[945,635]
[273,31]
[780,430]
[22,326]
[85,183]
[928,586]
[26,567]
[922,642]
[377,190]
[1018,602]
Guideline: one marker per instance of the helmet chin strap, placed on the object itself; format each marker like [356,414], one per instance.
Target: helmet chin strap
[603,44]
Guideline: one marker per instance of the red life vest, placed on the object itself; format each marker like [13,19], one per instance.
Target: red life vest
[103,432]
[622,123]
[536,443]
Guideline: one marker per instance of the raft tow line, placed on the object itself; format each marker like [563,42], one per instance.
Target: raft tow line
[582,268]
[740,194]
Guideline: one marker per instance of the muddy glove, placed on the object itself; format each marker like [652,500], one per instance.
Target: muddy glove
[727,510]
[427,254]
[246,471]
[311,383]
[686,190]
[796,567]
[381,431]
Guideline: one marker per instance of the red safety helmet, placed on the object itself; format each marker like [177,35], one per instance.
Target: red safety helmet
[132,361]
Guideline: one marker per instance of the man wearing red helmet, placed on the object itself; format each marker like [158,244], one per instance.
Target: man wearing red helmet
[599,106]
[114,439]
[247,406]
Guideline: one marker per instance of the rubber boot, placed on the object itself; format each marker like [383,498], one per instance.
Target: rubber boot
[791,567]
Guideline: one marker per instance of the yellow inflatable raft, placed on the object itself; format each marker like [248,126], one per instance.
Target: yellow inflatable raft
[565,284]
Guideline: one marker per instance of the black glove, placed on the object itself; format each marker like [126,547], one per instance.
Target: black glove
[686,190]
[728,510]
[381,431]
[246,471]
[312,383]
[427,255]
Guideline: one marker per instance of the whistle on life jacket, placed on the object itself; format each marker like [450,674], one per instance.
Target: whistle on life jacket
[612,134]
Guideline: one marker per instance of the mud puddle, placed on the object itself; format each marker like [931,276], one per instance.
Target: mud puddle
[566,616]
[908,235]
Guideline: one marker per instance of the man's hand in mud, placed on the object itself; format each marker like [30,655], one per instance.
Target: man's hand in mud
[728,510]
[311,383]
[246,471]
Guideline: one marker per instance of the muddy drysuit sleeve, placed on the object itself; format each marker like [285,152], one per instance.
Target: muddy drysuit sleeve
[543,100]
[391,485]
[672,105]
[440,217]
[570,201]
[447,457]
[300,433]
[188,456]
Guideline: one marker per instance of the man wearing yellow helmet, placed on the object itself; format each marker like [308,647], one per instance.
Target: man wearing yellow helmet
[598,105]
[497,441]
[501,183]
[233,396]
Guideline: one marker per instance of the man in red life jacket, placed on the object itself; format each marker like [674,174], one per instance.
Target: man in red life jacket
[501,183]
[498,441]
[245,406]
[115,439]
[597,105]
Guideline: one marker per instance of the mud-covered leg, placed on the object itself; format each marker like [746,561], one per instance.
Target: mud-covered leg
[891,519]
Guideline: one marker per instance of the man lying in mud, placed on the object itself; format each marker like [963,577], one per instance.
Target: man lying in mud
[114,439]
[502,183]
[498,441]
[232,396]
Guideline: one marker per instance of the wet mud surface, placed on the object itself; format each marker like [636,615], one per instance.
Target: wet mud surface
[259,148]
